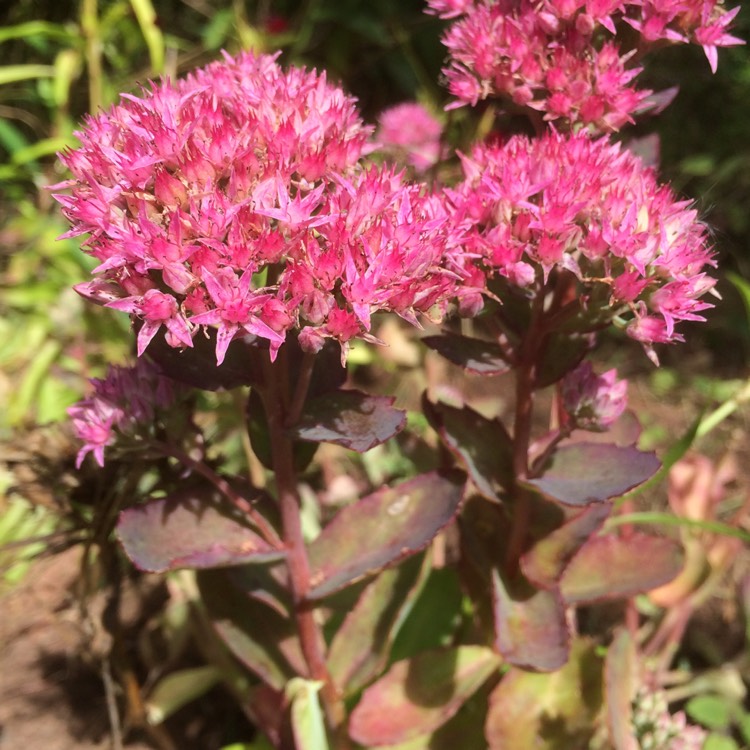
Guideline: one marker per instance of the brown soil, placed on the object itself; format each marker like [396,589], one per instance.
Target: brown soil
[52,693]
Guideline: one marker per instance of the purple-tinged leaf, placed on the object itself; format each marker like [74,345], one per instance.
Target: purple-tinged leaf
[482,445]
[359,650]
[191,528]
[562,353]
[625,431]
[545,562]
[584,473]
[474,355]
[620,675]
[260,436]
[485,529]
[352,419]
[530,627]
[418,695]
[196,366]
[612,567]
[555,711]
[464,730]
[382,529]
[263,640]
[268,584]
[266,708]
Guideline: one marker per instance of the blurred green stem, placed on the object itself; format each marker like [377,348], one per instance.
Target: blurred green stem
[90,28]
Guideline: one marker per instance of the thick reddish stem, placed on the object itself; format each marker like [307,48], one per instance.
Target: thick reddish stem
[310,635]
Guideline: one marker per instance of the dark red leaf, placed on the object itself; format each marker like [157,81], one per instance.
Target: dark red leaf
[584,473]
[474,355]
[352,419]
[382,529]
[612,567]
[420,694]
[191,528]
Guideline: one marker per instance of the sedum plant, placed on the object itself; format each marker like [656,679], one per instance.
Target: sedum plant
[245,219]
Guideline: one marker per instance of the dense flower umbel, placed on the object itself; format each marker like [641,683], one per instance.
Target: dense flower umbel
[124,402]
[556,57]
[234,199]
[587,207]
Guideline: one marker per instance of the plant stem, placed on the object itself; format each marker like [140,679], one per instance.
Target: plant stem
[264,528]
[310,635]
[526,372]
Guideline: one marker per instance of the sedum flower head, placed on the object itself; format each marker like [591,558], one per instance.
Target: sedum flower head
[126,398]
[593,402]
[561,57]
[234,199]
[409,131]
[532,207]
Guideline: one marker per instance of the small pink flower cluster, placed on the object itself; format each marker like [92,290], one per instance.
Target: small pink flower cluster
[590,208]
[548,56]
[410,132]
[128,397]
[234,199]
[593,402]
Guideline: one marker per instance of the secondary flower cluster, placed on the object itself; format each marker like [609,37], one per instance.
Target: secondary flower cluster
[234,199]
[126,399]
[571,203]
[550,56]
[593,402]
[409,132]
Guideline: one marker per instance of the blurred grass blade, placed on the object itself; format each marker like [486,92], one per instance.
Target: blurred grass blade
[668,519]
[673,454]
[178,689]
[146,15]
[44,147]
[36,28]
[11,138]
[743,287]
[34,377]
[15,73]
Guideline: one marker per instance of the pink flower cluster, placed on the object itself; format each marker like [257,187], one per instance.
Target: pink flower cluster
[128,397]
[234,199]
[550,56]
[593,402]
[572,203]
[408,131]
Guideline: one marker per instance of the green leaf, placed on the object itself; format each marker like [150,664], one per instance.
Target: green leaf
[264,640]
[308,724]
[432,621]
[418,695]
[719,742]
[555,711]
[359,650]
[711,711]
